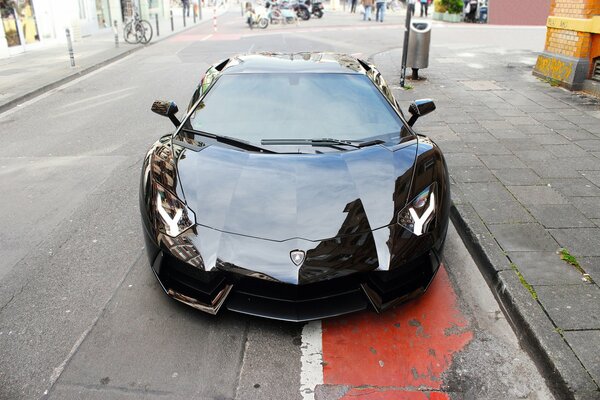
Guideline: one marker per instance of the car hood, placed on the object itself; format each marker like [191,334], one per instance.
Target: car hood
[306,196]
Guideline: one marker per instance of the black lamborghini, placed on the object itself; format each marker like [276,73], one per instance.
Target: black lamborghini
[294,188]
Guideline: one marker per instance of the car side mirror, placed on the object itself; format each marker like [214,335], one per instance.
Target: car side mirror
[420,108]
[166,109]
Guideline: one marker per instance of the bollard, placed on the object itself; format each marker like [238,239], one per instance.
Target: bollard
[194,14]
[172,24]
[200,10]
[116,31]
[215,18]
[157,29]
[70,47]
[405,47]
[183,17]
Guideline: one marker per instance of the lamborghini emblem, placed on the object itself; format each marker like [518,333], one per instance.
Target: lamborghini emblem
[297,256]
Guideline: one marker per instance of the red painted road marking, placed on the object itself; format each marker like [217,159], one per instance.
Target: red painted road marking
[377,394]
[408,347]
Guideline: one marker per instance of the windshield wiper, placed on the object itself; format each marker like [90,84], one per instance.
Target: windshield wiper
[242,144]
[321,142]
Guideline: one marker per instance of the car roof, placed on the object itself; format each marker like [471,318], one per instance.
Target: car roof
[306,62]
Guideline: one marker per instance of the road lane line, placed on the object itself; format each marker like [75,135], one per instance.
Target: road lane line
[206,37]
[311,373]
[92,98]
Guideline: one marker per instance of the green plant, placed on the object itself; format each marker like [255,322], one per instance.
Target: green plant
[525,284]
[438,6]
[566,256]
[453,6]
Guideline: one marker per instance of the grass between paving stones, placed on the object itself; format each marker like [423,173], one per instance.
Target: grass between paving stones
[567,257]
[524,282]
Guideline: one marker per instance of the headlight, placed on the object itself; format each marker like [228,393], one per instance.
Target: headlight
[173,215]
[418,214]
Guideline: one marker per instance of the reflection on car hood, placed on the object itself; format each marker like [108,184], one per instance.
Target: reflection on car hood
[308,196]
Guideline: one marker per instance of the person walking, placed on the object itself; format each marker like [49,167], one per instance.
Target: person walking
[353,6]
[411,6]
[424,6]
[380,4]
[367,4]
[186,7]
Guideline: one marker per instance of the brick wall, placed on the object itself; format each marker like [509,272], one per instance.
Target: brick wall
[568,43]
[575,8]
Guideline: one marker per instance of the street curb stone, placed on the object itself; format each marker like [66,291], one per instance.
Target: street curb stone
[564,373]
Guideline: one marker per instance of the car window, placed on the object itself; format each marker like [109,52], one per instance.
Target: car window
[258,106]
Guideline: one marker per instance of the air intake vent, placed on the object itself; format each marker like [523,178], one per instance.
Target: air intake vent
[596,71]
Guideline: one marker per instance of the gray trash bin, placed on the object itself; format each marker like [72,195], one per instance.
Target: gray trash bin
[418,46]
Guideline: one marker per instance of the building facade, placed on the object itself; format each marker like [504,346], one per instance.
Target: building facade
[27,24]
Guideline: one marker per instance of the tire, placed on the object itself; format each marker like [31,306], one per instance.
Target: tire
[130,34]
[319,13]
[263,23]
[303,14]
[146,35]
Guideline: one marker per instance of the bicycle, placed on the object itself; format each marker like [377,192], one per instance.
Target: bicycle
[137,30]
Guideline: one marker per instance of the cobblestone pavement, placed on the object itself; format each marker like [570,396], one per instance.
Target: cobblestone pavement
[524,159]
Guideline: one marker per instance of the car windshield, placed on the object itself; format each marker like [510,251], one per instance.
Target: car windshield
[255,107]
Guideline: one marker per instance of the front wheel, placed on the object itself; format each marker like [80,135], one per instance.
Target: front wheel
[145,32]
[303,14]
[263,23]
[129,33]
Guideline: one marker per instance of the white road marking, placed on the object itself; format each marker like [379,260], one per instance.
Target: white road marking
[90,106]
[311,373]
[206,37]
[96,97]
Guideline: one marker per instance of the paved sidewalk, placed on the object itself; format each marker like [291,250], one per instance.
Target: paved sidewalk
[28,74]
[524,158]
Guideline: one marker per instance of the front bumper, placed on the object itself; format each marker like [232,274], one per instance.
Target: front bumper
[209,291]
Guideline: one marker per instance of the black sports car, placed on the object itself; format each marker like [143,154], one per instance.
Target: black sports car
[294,188]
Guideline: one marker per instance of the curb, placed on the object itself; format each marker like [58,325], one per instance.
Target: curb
[564,374]
[46,88]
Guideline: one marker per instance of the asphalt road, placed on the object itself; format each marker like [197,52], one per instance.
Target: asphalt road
[81,315]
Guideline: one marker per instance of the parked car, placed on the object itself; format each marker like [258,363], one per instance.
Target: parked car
[294,188]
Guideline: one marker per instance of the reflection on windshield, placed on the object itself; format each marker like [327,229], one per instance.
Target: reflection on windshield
[268,106]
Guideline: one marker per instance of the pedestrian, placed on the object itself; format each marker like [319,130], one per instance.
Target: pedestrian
[353,6]
[186,7]
[424,6]
[367,4]
[380,4]
[411,7]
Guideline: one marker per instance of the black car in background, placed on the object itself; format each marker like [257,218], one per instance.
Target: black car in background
[294,188]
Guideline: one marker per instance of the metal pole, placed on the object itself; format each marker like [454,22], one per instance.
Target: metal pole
[70,47]
[172,23]
[200,9]
[194,12]
[157,28]
[184,16]
[116,30]
[405,46]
